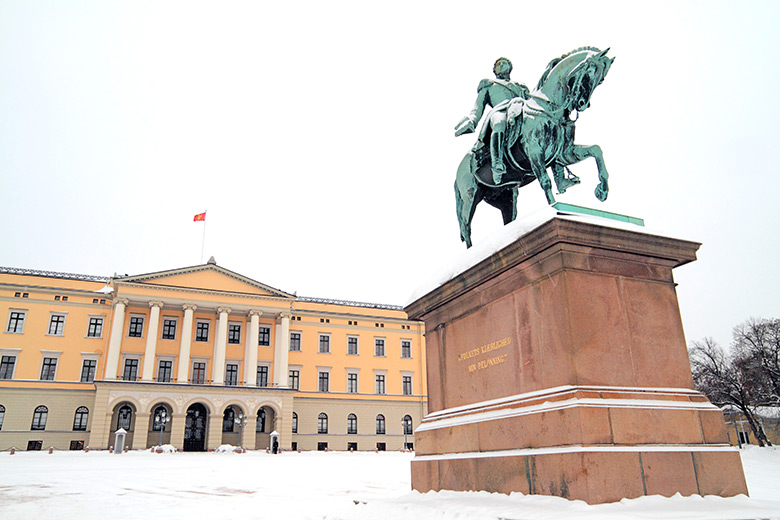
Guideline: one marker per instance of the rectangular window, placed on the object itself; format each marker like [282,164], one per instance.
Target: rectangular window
[262,375]
[323,382]
[7,367]
[264,337]
[381,446]
[88,370]
[379,347]
[234,333]
[76,445]
[231,374]
[352,345]
[324,344]
[95,329]
[380,384]
[352,383]
[48,369]
[164,371]
[198,372]
[407,385]
[136,327]
[202,331]
[57,325]
[295,379]
[322,446]
[406,348]
[295,341]
[16,322]
[34,445]
[169,328]
[131,370]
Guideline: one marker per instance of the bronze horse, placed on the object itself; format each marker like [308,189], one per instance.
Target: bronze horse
[540,134]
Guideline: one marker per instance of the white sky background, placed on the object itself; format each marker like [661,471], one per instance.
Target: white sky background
[319,137]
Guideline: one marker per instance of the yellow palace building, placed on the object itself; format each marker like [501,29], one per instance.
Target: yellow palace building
[198,357]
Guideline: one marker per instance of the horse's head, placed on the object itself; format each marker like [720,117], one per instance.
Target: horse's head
[570,80]
[585,78]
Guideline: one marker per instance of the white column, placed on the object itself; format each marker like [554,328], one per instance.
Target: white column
[281,349]
[218,360]
[147,374]
[186,343]
[115,343]
[250,352]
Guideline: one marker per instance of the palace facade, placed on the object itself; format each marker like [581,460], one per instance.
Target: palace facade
[198,357]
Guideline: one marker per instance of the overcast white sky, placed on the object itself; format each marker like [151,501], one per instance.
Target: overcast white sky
[319,137]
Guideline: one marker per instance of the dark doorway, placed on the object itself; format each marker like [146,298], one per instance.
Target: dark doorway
[195,428]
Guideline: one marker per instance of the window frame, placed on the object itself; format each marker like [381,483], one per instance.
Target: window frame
[136,322]
[40,416]
[51,355]
[91,327]
[408,426]
[137,359]
[265,373]
[294,422]
[377,341]
[409,343]
[326,337]
[404,377]
[352,424]
[12,354]
[193,362]
[160,362]
[199,326]
[323,375]
[381,422]
[80,419]
[322,423]
[84,360]
[295,343]
[17,328]
[356,343]
[351,379]
[380,383]
[233,326]
[165,333]
[234,379]
[294,380]
[263,332]
[59,325]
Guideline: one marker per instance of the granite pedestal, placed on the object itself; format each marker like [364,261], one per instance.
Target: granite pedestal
[558,366]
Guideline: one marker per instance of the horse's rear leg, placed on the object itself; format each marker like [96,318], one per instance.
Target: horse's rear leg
[466,200]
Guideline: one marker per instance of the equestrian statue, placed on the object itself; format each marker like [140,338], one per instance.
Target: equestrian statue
[526,132]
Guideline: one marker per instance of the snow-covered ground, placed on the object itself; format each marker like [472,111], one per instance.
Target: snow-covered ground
[314,485]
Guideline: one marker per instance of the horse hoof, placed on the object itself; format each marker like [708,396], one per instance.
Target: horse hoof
[601,194]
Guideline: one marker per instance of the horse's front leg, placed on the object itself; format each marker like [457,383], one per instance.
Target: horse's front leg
[540,172]
[578,152]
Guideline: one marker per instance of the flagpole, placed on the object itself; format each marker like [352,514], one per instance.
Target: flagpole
[203,242]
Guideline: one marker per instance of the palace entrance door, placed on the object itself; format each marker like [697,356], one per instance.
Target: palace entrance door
[195,428]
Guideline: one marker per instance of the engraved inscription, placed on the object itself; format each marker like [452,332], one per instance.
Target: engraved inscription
[484,349]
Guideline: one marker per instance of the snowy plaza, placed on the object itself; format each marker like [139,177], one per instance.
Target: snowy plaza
[315,485]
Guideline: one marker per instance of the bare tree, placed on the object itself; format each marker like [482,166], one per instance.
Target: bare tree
[758,342]
[728,379]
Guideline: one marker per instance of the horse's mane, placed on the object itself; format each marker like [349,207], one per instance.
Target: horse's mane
[556,61]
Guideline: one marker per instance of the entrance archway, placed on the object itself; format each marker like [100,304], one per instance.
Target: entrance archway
[266,423]
[195,428]
[123,416]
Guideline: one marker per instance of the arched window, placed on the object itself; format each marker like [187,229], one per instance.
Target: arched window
[322,423]
[228,419]
[80,419]
[161,417]
[2,415]
[407,425]
[39,418]
[352,424]
[295,422]
[380,424]
[125,417]
[260,421]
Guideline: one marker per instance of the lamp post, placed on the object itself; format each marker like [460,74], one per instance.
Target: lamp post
[241,421]
[403,425]
[162,420]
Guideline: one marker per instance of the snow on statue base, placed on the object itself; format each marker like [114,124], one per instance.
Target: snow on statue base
[557,365]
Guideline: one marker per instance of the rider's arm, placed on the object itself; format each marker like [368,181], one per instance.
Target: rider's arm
[469,123]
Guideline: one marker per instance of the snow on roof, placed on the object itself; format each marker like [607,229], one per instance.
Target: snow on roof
[53,274]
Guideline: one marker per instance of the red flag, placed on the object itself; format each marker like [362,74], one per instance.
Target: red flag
[200,217]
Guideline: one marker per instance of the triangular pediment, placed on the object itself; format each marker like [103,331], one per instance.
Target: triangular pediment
[208,277]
